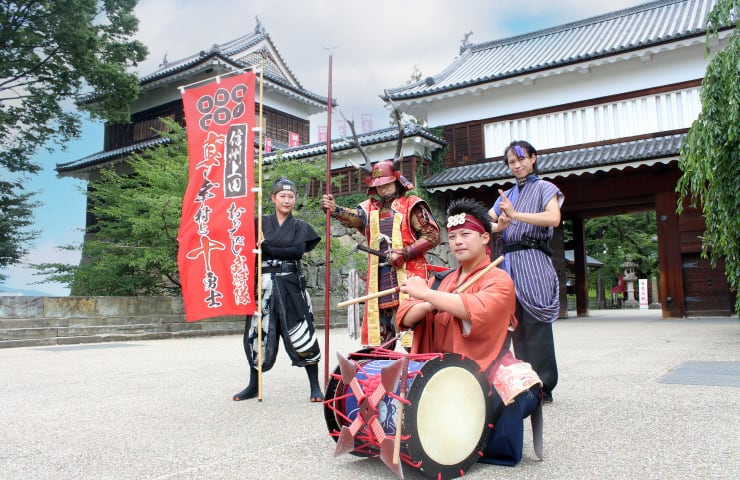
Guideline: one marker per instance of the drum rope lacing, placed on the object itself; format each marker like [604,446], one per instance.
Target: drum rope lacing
[368,393]
[363,410]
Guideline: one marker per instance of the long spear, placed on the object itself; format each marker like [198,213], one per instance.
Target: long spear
[327,233]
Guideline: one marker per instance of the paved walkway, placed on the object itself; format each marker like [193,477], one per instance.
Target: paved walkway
[639,397]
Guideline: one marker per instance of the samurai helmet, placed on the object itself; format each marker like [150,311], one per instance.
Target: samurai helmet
[382,173]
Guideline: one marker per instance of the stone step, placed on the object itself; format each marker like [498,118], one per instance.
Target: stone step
[111,337]
[38,342]
[38,321]
[81,331]
[34,332]
[34,322]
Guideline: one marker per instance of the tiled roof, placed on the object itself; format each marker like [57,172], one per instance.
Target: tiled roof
[606,35]
[168,68]
[364,139]
[590,261]
[617,156]
[304,151]
[232,50]
[234,54]
[100,157]
[271,71]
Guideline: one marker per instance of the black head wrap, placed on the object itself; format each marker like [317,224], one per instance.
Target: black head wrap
[282,184]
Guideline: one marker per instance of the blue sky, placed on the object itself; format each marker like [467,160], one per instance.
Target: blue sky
[375,45]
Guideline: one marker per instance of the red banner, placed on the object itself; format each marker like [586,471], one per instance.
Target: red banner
[216,237]
[341,127]
[367,122]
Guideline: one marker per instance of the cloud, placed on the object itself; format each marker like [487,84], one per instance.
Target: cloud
[375,44]
[21,276]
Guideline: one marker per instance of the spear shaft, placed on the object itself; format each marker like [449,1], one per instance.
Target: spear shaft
[327,232]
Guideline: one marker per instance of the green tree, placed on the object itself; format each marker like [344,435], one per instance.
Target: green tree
[16,217]
[611,239]
[133,246]
[710,157]
[133,250]
[53,53]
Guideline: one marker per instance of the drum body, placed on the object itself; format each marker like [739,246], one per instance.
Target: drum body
[444,424]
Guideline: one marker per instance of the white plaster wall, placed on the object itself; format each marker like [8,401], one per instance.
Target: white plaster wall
[578,83]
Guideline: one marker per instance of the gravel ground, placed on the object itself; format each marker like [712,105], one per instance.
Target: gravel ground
[639,397]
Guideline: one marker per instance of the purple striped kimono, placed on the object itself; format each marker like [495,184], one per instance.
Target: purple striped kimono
[535,280]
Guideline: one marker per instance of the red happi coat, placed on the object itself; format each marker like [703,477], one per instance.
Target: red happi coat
[490,303]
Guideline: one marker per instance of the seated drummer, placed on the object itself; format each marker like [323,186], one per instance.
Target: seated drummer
[474,323]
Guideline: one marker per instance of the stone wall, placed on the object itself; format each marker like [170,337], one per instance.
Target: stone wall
[27,321]
[32,321]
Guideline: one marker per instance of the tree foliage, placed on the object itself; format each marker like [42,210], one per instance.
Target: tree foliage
[611,239]
[52,53]
[132,249]
[710,157]
[16,216]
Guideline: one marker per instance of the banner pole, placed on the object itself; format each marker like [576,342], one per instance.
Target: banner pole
[327,236]
[258,310]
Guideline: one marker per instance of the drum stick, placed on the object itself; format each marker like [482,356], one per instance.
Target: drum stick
[399,421]
[367,297]
[405,371]
[478,275]
[389,291]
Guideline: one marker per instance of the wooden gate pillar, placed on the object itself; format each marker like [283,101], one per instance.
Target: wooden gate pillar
[669,253]
[579,265]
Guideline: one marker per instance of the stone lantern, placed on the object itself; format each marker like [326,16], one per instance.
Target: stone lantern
[630,277]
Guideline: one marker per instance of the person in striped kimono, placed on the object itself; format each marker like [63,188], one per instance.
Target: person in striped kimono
[526,215]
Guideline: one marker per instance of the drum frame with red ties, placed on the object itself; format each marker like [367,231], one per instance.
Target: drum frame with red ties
[445,410]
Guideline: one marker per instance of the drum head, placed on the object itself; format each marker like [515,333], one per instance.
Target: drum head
[448,424]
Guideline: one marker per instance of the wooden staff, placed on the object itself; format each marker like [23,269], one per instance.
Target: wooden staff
[367,297]
[478,275]
[460,289]
[327,230]
[258,310]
